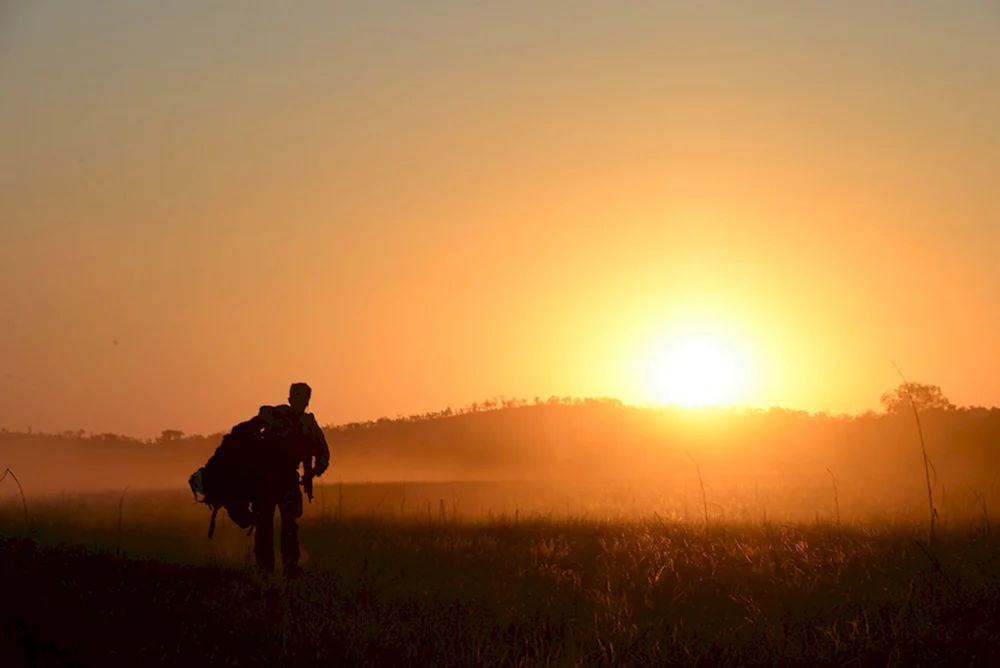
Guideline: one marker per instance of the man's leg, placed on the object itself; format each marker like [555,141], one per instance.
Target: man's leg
[263,541]
[291,510]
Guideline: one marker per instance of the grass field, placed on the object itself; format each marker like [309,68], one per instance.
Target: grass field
[475,574]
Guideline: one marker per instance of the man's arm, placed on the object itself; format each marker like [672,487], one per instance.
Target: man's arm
[320,449]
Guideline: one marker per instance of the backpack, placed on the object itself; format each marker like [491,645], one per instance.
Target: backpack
[233,476]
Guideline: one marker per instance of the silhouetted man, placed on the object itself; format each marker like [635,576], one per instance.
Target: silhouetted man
[291,437]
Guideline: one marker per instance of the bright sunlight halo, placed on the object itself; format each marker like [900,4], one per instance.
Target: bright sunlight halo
[696,372]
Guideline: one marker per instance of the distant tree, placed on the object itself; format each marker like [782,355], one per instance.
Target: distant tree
[171,435]
[924,397]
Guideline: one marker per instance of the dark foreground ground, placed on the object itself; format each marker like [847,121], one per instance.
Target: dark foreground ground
[514,593]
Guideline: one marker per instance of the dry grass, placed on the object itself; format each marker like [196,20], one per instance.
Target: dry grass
[398,579]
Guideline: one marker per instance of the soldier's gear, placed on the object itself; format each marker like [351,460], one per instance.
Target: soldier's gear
[233,476]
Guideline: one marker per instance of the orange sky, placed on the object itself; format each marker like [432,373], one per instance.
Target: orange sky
[411,206]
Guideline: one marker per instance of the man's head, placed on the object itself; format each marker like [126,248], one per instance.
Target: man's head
[298,397]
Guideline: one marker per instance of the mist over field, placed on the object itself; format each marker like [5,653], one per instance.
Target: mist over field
[572,449]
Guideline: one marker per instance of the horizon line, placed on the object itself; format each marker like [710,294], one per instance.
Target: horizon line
[496,404]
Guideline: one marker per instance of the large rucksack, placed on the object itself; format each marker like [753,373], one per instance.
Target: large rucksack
[233,476]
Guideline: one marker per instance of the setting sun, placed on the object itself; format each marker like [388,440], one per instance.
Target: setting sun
[696,372]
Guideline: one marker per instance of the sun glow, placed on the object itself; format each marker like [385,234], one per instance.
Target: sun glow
[694,372]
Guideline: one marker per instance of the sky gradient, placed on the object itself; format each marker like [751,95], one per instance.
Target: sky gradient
[414,205]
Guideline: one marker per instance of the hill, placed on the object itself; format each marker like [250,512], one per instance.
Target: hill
[559,438]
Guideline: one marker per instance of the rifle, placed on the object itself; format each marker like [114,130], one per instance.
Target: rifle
[307,478]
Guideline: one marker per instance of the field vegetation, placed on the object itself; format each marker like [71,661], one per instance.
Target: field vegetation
[626,537]
[416,574]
